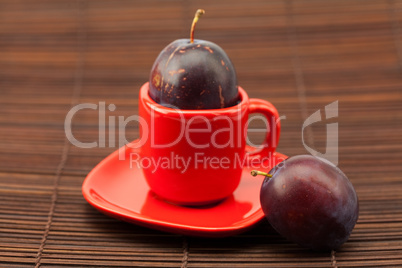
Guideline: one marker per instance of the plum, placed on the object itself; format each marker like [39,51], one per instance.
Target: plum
[193,74]
[310,201]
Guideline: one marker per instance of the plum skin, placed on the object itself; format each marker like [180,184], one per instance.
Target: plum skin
[194,76]
[311,202]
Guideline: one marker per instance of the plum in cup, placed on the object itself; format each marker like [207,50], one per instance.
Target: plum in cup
[309,201]
[193,74]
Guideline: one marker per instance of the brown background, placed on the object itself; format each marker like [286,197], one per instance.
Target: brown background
[300,55]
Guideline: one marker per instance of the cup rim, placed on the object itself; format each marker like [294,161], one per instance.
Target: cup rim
[144,97]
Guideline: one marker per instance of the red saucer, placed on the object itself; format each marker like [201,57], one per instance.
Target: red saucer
[120,191]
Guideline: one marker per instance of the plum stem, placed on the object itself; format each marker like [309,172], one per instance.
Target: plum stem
[197,15]
[256,173]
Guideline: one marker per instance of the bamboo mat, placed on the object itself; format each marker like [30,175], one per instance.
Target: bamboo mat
[300,55]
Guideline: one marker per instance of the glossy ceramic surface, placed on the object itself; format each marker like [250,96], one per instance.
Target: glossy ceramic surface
[120,191]
[196,137]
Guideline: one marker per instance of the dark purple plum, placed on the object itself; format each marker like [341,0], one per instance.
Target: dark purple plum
[193,74]
[310,201]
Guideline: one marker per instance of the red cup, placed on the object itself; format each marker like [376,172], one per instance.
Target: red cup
[196,157]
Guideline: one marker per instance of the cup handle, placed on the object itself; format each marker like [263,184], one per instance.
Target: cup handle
[271,140]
